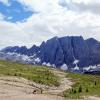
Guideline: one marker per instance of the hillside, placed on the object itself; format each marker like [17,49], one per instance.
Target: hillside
[38,74]
[85,85]
[19,81]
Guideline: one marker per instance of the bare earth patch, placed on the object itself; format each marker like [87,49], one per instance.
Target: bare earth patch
[91,98]
[15,88]
[65,83]
[12,88]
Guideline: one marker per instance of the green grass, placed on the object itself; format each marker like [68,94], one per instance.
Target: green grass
[38,74]
[84,85]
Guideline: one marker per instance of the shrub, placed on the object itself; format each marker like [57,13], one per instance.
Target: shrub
[74,91]
[80,89]
[15,74]
[19,74]
[95,83]
[8,73]
[87,90]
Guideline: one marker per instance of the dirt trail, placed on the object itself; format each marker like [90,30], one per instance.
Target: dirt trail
[14,88]
[65,83]
[91,98]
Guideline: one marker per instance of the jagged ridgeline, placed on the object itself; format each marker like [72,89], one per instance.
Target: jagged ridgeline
[69,53]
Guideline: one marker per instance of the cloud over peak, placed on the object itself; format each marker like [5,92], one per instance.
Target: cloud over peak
[52,18]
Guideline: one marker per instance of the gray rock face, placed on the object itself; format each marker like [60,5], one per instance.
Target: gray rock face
[66,44]
[94,50]
[52,52]
[74,48]
[80,50]
[66,50]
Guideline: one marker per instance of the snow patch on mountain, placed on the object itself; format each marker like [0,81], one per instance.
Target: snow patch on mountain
[87,68]
[90,68]
[44,63]
[24,57]
[76,61]
[76,68]
[64,67]
[48,64]
[37,60]
[53,65]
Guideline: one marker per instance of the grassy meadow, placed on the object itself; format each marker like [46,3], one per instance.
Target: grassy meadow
[38,74]
[84,85]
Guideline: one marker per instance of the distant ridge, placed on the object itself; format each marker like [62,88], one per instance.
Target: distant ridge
[69,53]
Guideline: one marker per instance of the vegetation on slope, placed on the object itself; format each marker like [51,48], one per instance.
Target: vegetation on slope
[84,85]
[38,74]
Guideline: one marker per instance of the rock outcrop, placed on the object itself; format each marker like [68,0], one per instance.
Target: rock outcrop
[72,51]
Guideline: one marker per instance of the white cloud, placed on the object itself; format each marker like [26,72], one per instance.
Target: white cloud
[92,6]
[51,20]
[86,1]
[43,6]
[2,16]
[5,2]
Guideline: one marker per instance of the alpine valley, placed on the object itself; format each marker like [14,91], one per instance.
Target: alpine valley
[71,53]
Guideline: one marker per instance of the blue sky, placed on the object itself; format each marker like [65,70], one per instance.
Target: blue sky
[14,11]
[28,22]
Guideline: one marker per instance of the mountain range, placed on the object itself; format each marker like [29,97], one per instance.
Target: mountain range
[68,53]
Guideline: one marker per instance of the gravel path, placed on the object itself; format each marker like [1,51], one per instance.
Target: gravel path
[14,88]
[91,98]
[65,83]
